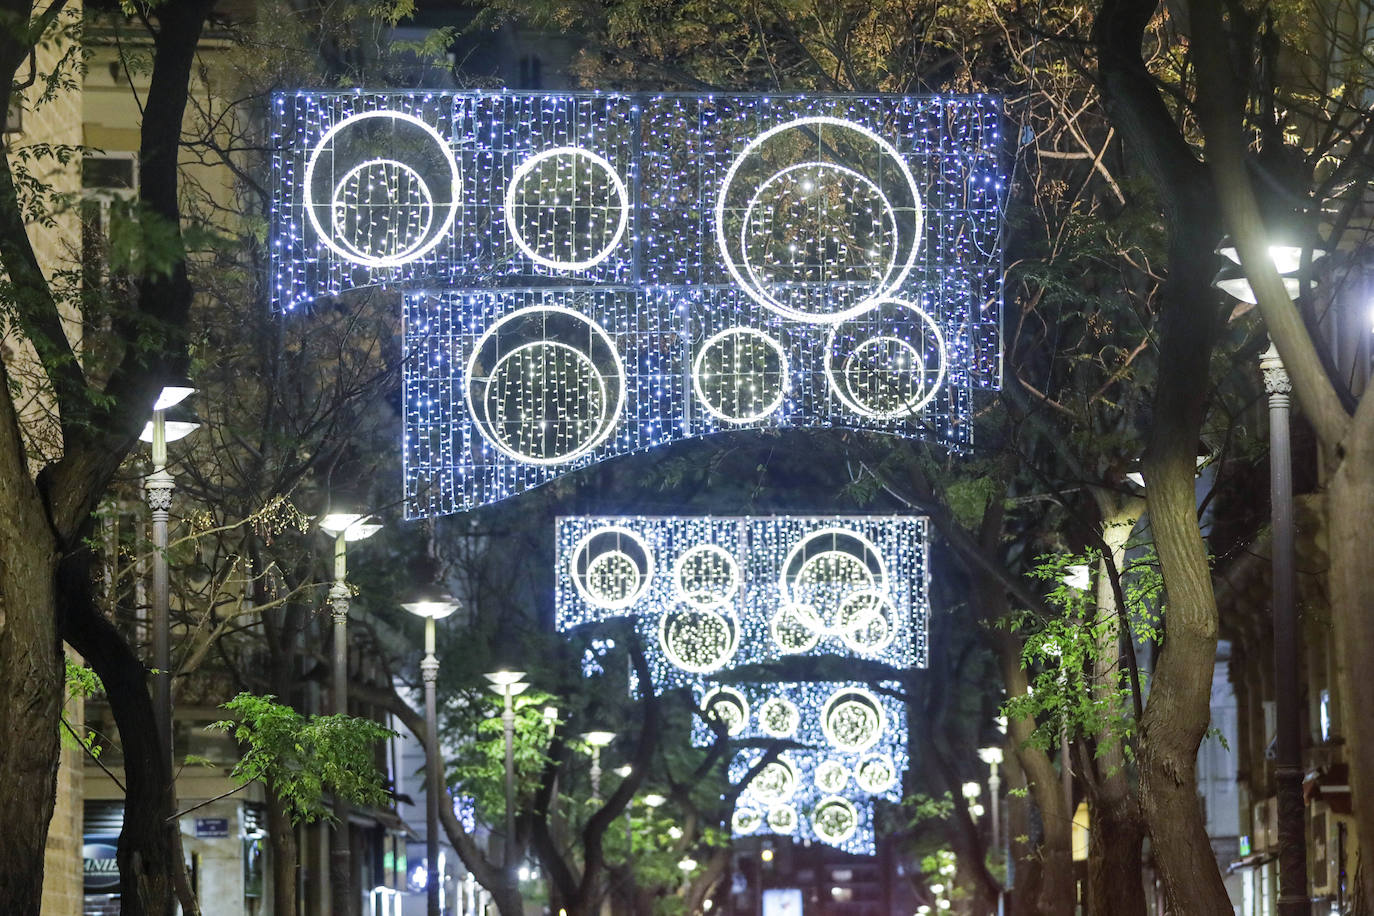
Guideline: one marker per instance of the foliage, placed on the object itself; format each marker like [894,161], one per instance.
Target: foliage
[302,757]
[479,765]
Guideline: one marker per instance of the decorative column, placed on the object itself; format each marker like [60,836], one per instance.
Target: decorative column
[429,672]
[1288,772]
[341,878]
[159,487]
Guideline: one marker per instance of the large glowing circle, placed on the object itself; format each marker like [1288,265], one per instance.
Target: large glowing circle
[876,774]
[822,570]
[567,208]
[779,717]
[698,640]
[740,375]
[705,576]
[887,363]
[727,706]
[545,385]
[782,818]
[795,629]
[381,209]
[867,621]
[853,719]
[745,821]
[383,177]
[776,782]
[817,238]
[611,567]
[831,777]
[873,254]
[834,820]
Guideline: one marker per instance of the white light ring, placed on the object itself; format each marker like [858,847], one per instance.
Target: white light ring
[530,345]
[886,147]
[791,783]
[784,370]
[335,206]
[528,166]
[846,634]
[834,801]
[740,826]
[882,288]
[874,788]
[727,691]
[610,422]
[790,710]
[785,588]
[783,813]
[848,365]
[809,620]
[833,787]
[843,695]
[934,388]
[421,251]
[728,619]
[681,593]
[585,541]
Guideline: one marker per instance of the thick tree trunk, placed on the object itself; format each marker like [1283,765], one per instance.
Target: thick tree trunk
[1115,886]
[31,672]
[281,837]
[1350,507]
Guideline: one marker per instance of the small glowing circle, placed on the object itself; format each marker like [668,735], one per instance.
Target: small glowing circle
[612,579]
[831,777]
[705,576]
[728,706]
[834,820]
[823,569]
[355,224]
[776,782]
[698,640]
[779,717]
[886,148]
[884,376]
[853,719]
[876,773]
[416,252]
[745,821]
[782,818]
[598,164]
[867,621]
[795,629]
[527,389]
[740,375]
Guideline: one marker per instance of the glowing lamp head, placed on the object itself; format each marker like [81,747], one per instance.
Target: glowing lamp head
[173,394]
[353,526]
[654,800]
[972,790]
[990,755]
[504,678]
[433,608]
[1286,255]
[172,430]
[1077,576]
[598,739]
[1232,281]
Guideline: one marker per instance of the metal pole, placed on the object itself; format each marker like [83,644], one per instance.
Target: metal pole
[429,671]
[159,487]
[994,785]
[1288,772]
[596,774]
[340,869]
[508,725]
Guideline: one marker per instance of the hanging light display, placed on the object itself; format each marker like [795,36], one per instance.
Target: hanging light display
[592,274]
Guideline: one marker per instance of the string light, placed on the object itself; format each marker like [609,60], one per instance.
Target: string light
[737,261]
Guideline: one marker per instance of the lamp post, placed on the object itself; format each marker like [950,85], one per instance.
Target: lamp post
[992,756]
[344,528]
[1288,774]
[509,684]
[432,608]
[596,741]
[158,487]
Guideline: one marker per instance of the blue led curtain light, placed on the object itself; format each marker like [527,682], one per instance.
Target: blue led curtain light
[591,275]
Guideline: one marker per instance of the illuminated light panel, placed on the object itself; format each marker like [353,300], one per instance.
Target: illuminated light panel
[778,717]
[773,261]
[611,567]
[864,576]
[727,706]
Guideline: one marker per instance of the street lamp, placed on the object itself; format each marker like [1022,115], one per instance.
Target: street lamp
[509,684]
[344,528]
[1288,772]
[992,756]
[158,490]
[596,741]
[431,608]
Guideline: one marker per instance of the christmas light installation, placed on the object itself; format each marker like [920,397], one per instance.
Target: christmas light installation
[712,594]
[590,275]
